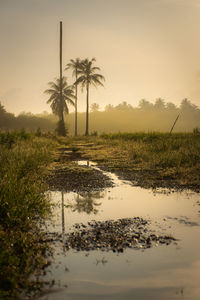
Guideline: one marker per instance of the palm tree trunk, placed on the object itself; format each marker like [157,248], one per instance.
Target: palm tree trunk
[76,95]
[87,111]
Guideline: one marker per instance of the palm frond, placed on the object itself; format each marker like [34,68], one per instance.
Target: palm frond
[80,79]
[49,91]
[99,76]
[96,83]
[53,85]
[74,65]
[52,98]
[65,107]
[69,100]
[54,92]
[93,69]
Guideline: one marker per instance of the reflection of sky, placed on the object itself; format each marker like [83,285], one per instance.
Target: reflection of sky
[146,49]
[163,272]
[158,273]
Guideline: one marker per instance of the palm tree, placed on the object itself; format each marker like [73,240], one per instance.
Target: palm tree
[74,65]
[59,104]
[86,77]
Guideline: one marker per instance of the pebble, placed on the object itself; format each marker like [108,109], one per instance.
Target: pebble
[114,236]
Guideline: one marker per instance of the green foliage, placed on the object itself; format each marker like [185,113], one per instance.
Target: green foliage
[59,107]
[22,205]
[9,138]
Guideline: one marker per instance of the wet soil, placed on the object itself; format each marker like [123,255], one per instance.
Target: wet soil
[67,176]
[78,180]
[151,179]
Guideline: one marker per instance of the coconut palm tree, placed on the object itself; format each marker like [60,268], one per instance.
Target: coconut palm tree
[74,65]
[87,76]
[58,106]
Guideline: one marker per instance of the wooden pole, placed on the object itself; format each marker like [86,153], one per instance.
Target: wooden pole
[61,102]
[174,124]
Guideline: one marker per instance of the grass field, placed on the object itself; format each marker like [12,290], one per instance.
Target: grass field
[160,150]
[23,158]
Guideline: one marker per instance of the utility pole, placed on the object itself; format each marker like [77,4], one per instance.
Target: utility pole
[61,100]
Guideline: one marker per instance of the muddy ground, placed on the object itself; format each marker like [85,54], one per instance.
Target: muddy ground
[66,175]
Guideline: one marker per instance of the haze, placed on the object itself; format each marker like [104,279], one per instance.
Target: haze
[145,49]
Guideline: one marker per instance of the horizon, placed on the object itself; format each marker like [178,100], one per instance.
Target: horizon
[114,107]
[145,50]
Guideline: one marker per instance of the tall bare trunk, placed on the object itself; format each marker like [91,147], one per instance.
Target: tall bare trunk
[76,95]
[87,111]
[61,96]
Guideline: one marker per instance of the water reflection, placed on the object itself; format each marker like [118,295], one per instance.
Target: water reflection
[63,213]
[102,261]
[87,202]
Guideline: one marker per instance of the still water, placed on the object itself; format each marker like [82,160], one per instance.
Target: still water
[159,273]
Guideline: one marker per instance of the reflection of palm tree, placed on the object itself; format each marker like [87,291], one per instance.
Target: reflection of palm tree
[86,202]
[87,76]
[63,214]
[74,65]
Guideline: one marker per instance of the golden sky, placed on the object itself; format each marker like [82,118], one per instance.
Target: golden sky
[145,49]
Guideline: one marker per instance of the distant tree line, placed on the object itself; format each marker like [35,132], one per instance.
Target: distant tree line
[159,105]
[27,121]
[147,116]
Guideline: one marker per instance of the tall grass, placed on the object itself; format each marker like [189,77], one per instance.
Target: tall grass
[160,149]
[169,156]
[146,137]
[165,150]
[22,160]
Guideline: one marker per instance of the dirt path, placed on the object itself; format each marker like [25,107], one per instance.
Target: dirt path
[66,174]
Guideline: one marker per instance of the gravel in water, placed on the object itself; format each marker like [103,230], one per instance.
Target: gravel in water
[114,236]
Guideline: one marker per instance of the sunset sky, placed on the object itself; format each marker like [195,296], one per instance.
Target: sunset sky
[145,49]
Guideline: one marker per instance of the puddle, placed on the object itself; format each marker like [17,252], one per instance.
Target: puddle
[163,272]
